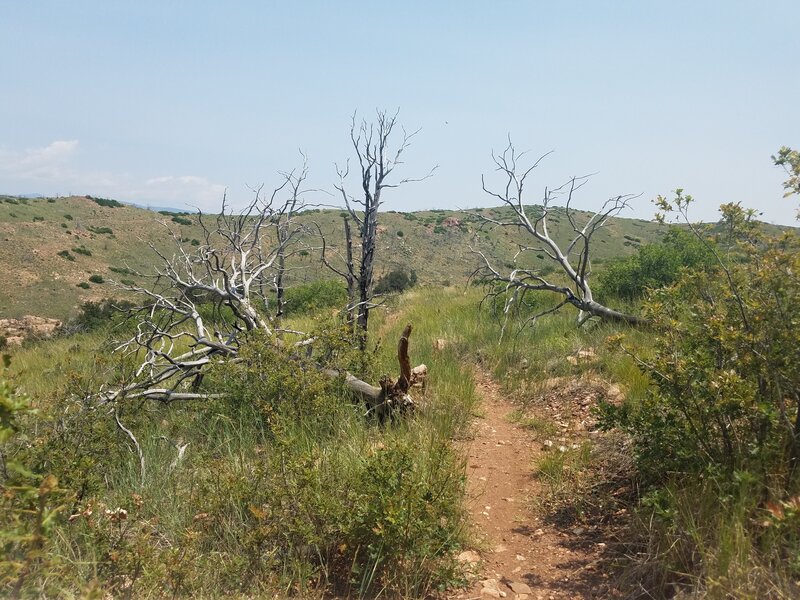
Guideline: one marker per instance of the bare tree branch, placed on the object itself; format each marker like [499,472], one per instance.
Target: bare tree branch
[574,262]
[371,142]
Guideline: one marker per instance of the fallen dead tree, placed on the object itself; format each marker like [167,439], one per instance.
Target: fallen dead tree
[204,301]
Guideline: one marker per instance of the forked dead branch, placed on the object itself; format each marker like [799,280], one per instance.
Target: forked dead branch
[573,261]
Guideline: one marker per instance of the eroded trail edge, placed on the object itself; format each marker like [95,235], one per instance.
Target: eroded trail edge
[520,552]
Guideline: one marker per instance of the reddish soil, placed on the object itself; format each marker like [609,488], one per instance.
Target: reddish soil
[524,552]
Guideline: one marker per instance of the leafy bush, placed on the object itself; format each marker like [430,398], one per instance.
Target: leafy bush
[396,280]
[37,219]
[106,202]
[400,233]
[67,255]
[181,220]
[68,217]
[653,266]
[96,278]
[64,226]
[84,285]
[82,250]
[100,230]
[196,242]
[312,297]
[122,270]
[724,410]
[96,315]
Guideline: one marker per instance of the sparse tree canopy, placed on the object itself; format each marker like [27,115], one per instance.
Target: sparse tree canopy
[571,279]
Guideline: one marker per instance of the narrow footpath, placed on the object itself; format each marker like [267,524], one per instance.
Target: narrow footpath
[519,554]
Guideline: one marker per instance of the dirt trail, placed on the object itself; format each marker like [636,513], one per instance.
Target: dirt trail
[522,555]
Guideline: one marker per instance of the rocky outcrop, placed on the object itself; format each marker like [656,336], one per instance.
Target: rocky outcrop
[15,331]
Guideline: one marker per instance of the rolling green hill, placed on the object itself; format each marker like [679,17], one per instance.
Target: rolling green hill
[59,252]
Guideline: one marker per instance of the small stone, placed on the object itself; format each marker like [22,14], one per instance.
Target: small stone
[539,532]
[469,556]
[519,587]
[519,557]
[490,588]
[500,548]
[578,531]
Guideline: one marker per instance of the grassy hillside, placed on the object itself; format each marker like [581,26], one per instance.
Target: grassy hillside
[60,252]
[56,250]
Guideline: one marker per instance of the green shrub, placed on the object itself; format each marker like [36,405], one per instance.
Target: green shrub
[313,297]
[64,226]
[396,280]
[122,270]
[11,201]
[181,220]
[653,266]
[101,230]
[37,219]
[83,285]
[400,233]
[67,255]
[196,242]
[717,433]
[106,202]
[51,200]
[96,315]
[68,217]
[96,278]
[439,229]
[82,250]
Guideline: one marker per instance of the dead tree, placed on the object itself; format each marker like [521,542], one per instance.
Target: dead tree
[202,303]
[377,161]
[571,280]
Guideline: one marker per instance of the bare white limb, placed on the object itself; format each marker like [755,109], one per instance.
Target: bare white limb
[573,259]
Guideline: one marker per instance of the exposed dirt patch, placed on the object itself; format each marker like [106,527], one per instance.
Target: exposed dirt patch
[17,331]
[527,551]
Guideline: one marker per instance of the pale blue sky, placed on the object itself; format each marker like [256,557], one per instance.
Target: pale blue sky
[169,103]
